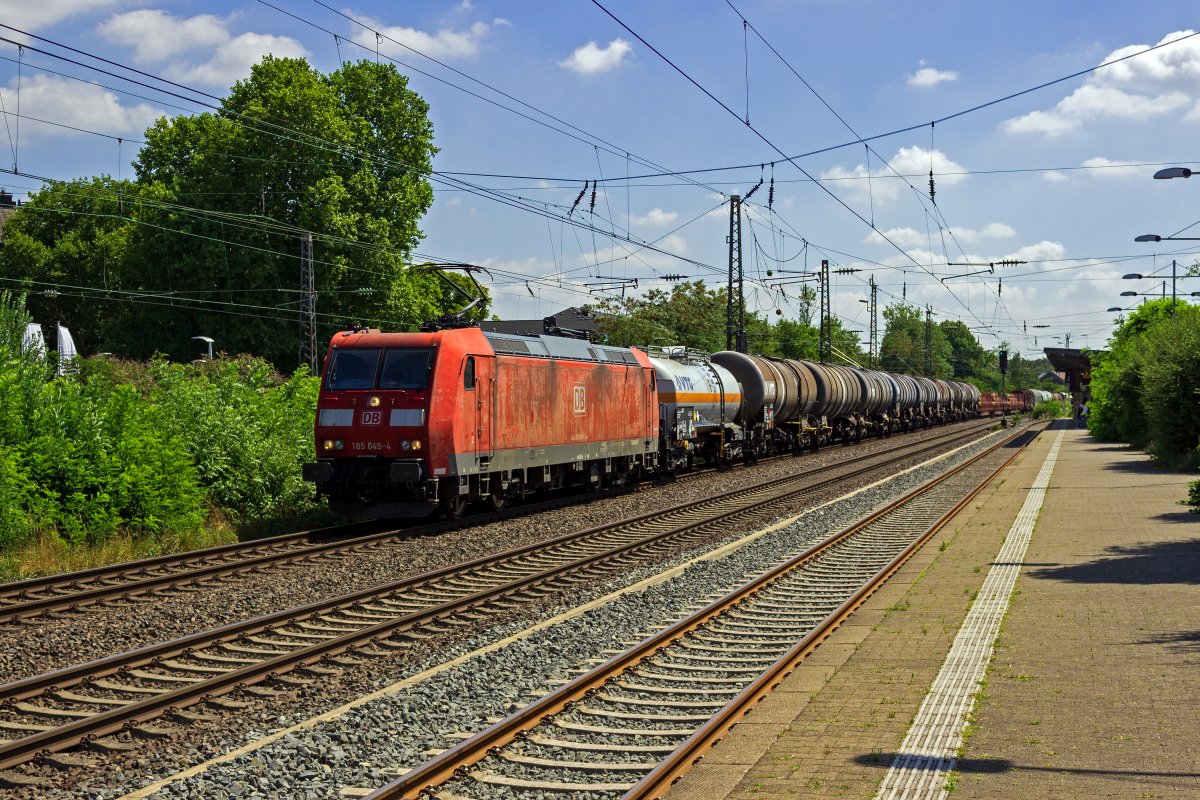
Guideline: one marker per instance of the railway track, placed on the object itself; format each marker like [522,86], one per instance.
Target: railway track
[633,725]
[29,600]
[83,703]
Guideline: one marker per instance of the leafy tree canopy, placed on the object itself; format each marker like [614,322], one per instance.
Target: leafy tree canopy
[66,248]
[693,315]
[208,239]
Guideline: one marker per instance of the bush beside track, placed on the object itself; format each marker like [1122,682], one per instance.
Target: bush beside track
[125,459]
[1145,388]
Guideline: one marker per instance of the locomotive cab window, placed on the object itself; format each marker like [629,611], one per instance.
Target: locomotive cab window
[469,373]
[353,368]
[406,368]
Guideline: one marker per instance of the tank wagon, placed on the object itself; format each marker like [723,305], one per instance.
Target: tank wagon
[412,423]
[802,405]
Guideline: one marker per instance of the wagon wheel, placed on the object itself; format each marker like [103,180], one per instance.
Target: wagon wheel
[454,506]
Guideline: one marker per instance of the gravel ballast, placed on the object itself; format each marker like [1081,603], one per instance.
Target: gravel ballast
[398,730]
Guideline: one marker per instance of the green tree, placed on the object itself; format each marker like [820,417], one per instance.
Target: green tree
[226,197]
[1144,388]
[690,315]
[797,340]
[968,359]
[66,248]
[903,345]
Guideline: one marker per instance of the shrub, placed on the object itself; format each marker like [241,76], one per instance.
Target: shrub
[145,449]
[1051,409]
[247,429]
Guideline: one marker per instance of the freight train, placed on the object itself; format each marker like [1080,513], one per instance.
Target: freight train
[412,423]
[1022,400]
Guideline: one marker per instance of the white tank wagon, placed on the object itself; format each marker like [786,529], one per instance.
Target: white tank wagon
[701,410]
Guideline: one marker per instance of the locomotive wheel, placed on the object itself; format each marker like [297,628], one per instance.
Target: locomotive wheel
[499,500]
[454,506]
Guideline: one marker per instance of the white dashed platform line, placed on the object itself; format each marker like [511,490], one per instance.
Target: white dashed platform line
[926,756]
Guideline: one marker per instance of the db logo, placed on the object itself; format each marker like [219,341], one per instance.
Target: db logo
[372,418]
[580,400]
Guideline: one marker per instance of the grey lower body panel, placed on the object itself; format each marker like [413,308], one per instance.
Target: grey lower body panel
[524,458]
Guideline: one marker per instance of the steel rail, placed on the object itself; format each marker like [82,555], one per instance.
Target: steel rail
[659,780]
[107,722]
[427,776]
[14,609]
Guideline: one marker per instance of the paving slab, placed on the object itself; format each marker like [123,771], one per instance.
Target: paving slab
[1098,701]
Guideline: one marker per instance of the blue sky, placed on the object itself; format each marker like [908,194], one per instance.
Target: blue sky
[1059,178]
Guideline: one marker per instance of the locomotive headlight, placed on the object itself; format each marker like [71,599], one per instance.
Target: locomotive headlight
[374,401]
[327,444]
[416,444]
[405,445]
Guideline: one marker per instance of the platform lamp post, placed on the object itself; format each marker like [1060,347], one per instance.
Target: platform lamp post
[1144,295]
[1153,237]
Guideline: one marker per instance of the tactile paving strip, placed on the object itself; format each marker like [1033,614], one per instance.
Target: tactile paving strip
[927,755]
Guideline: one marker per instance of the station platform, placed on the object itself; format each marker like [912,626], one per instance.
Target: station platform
[1092,690]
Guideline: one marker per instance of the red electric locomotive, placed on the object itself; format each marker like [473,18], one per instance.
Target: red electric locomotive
[410,422]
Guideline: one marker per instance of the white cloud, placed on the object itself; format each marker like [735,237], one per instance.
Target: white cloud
[1054,176]
[997,230]
[232,60]
[445,43]
[993,230]
[82,105]
[591,59]
[156,35]
[911,237]
[928,76]
[44,13]
[903,237]
[1157,83]
[674,244]
[655,217]
[1108,168]
[884,186]
[1042,251]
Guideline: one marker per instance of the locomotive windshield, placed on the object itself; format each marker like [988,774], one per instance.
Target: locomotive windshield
[406,369]
[357,367]
[353,368]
